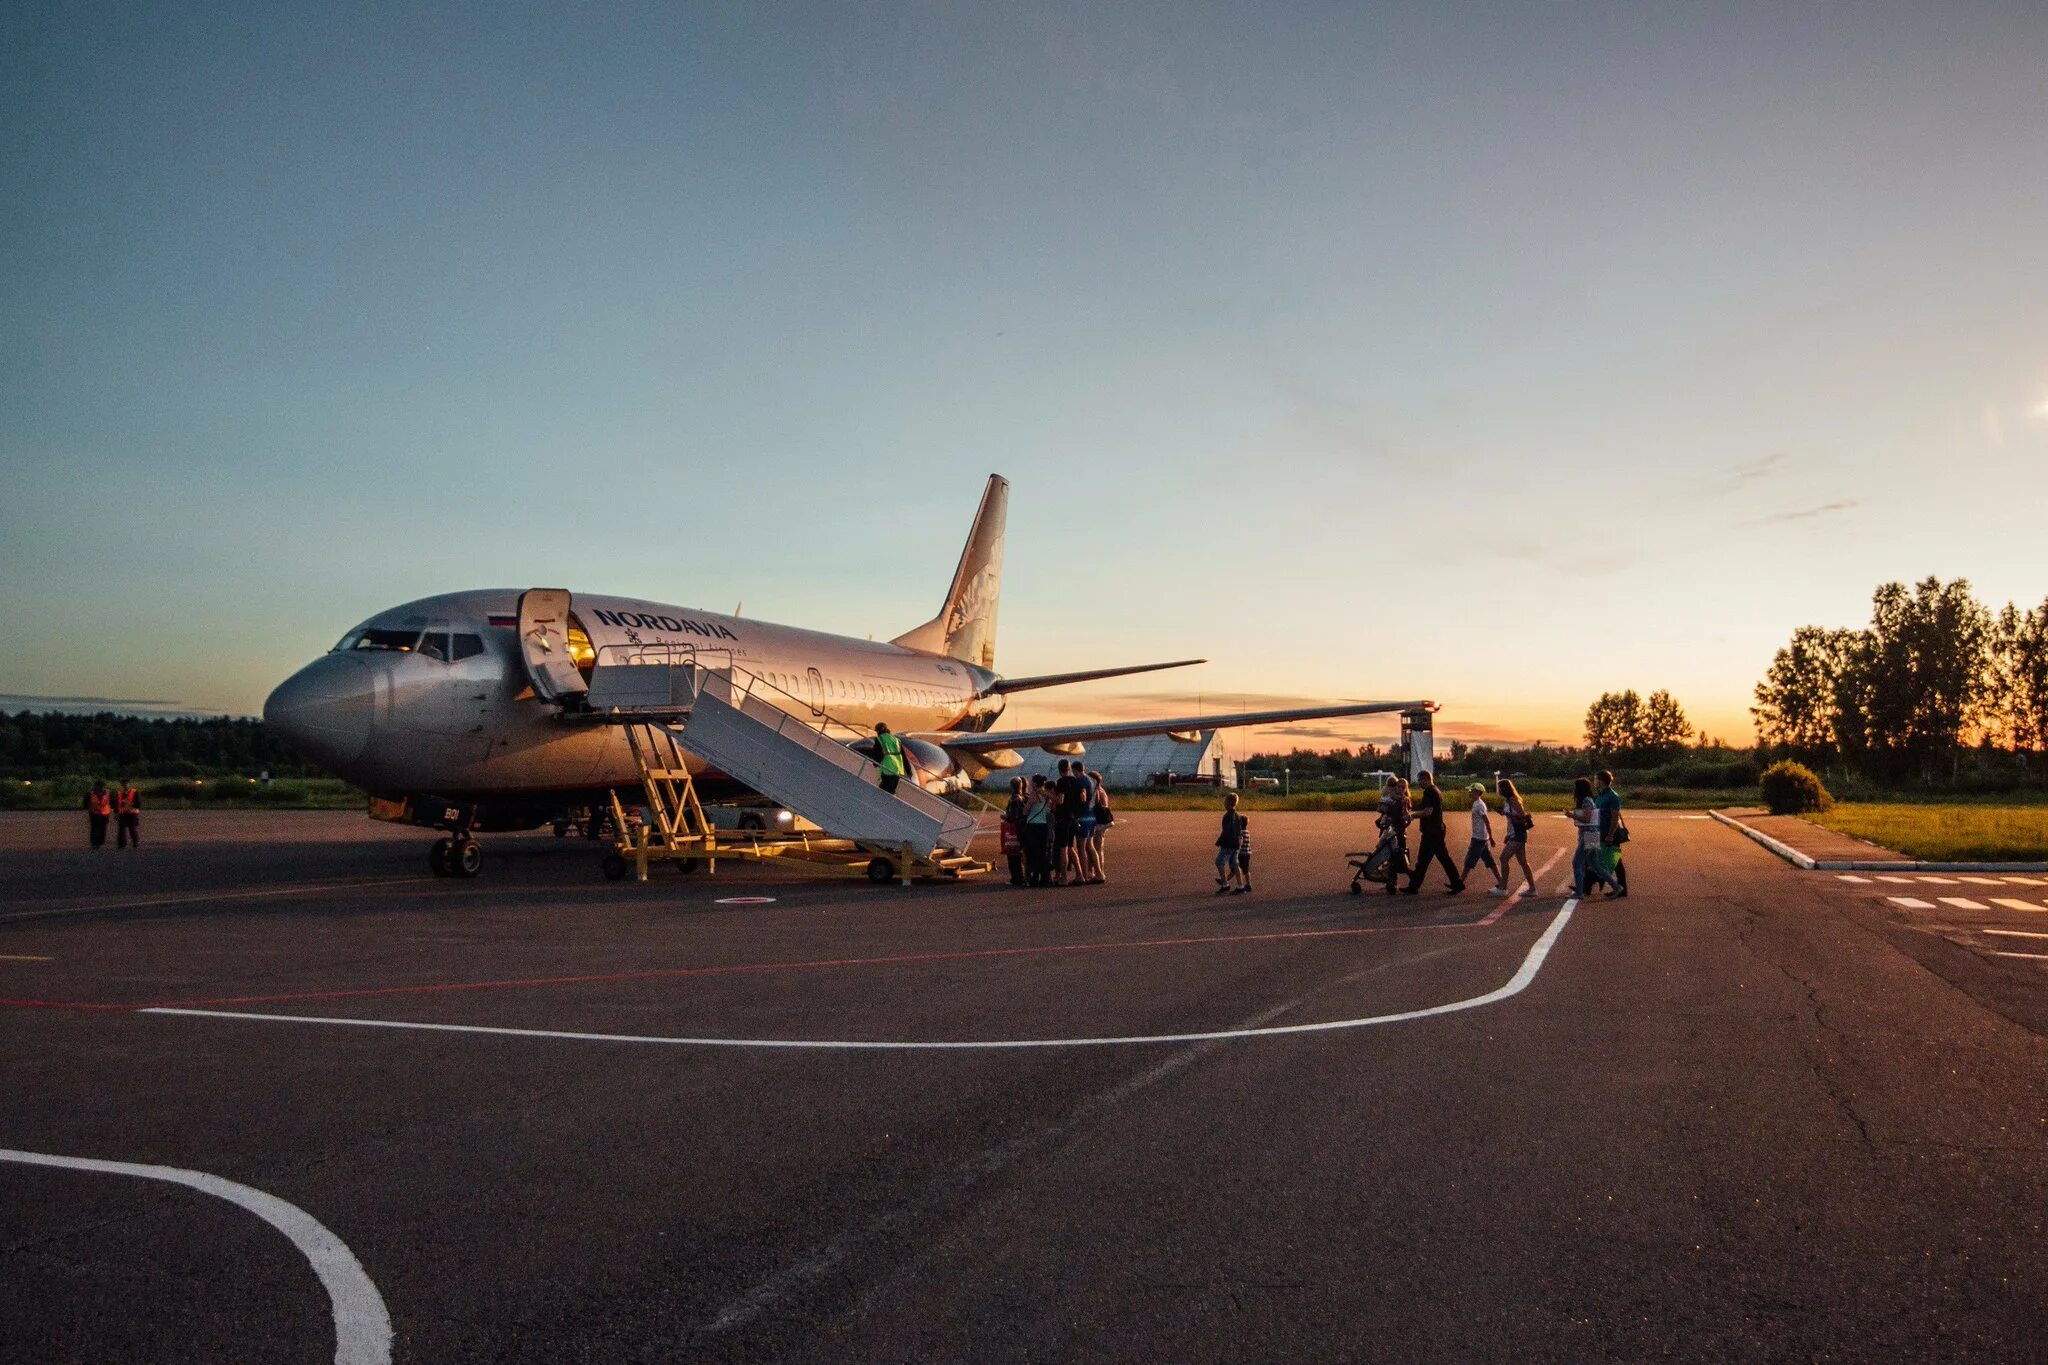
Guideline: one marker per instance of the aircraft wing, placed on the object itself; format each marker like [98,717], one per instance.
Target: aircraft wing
[1122,729]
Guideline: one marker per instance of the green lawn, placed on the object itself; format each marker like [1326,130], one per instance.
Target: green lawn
[1455,798]
[1946,833]
[188,793]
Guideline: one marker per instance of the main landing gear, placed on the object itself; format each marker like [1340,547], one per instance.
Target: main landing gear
[456,857]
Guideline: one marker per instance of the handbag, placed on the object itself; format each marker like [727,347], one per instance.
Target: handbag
[1012,843]
[1620,830]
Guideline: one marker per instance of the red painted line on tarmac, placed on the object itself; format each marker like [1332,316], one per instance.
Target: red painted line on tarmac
[1506,901]
[668,973]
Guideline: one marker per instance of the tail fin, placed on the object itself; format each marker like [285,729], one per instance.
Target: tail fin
[965,627]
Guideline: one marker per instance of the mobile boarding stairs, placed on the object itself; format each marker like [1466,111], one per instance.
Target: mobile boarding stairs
[676,699]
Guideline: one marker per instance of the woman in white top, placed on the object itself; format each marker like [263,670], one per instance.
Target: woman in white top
[1586,857]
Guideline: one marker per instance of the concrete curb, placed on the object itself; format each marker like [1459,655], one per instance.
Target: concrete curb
[1806,863]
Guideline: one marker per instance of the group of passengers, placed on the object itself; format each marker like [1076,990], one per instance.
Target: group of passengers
[1595,814]
[1052,830]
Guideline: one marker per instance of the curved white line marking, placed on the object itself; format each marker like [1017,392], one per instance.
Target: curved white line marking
[1531,964]
[362,1325]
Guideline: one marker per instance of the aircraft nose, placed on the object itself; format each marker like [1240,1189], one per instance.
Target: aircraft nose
[326,708]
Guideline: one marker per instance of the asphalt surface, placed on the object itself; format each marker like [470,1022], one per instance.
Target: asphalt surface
[1746,1114]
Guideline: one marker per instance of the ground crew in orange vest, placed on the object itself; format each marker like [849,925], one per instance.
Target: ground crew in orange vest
[128,815]
[99,808]
[889,753]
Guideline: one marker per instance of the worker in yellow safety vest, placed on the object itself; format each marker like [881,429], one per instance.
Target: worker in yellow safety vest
[889,753]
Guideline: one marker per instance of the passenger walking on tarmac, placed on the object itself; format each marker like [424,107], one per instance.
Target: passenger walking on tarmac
[1067,794]
[1480,850]
[99,808]
[1227,841]
[1104,818]
[889,755]
[1244,854]
[1038,834]
[1586,855]
[128,815]
[1515,848]
[1613,831]
[1393,822]
[1013,831]
[1083,791]
[1429,811]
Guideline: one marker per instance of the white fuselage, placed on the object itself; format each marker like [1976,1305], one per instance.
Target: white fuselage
[396,719]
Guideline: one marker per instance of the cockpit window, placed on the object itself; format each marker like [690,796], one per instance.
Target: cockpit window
[404,641]
[466,647]
[434,645]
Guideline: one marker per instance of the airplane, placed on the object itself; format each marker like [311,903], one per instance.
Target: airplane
[433,708]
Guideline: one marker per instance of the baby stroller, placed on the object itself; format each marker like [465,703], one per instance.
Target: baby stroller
[1385,864]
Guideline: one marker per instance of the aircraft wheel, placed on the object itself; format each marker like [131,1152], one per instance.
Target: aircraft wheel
[881,872]
[465,859]
[561,829]
[752,821]
[687,866]
[613,867]
[437,857]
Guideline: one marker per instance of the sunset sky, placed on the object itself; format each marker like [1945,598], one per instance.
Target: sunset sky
[1496,355]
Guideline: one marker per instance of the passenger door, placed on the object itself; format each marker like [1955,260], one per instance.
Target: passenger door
[544,644]
[814,683]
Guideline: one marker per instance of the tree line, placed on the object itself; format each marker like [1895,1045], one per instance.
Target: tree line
[1935,675]
[47,744]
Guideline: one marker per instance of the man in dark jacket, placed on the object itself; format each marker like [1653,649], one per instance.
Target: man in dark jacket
[1429,814]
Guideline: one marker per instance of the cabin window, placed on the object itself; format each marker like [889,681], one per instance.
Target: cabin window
[465,646]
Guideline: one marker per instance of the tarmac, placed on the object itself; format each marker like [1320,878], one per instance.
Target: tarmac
[315,1104]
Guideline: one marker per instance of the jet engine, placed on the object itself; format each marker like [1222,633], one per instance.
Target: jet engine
[934,768]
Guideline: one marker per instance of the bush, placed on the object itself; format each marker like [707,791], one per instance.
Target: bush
[1790,788]
[1706,776]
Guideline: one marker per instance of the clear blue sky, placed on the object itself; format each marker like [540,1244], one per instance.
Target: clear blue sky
[1501,355]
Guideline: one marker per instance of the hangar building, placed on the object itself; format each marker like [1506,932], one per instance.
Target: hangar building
[1128,763]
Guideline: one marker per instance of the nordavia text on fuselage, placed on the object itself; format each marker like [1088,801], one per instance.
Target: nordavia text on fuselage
[433,701]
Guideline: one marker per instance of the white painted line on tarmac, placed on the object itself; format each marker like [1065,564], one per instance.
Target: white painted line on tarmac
[1964,903]
[1515,985]
[1937,881]
[2034,957]
[362,1325]
[1884,878]
[2011,904]
[1985,881]
[1850,877]
[2014,933]
[1911,903]
[22,957]
[2029,881]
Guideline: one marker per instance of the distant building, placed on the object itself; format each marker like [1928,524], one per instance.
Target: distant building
[1128,763]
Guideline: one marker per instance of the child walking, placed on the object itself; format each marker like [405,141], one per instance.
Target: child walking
[1227,841]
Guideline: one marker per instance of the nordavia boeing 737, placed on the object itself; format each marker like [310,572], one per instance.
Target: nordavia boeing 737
[435,709]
